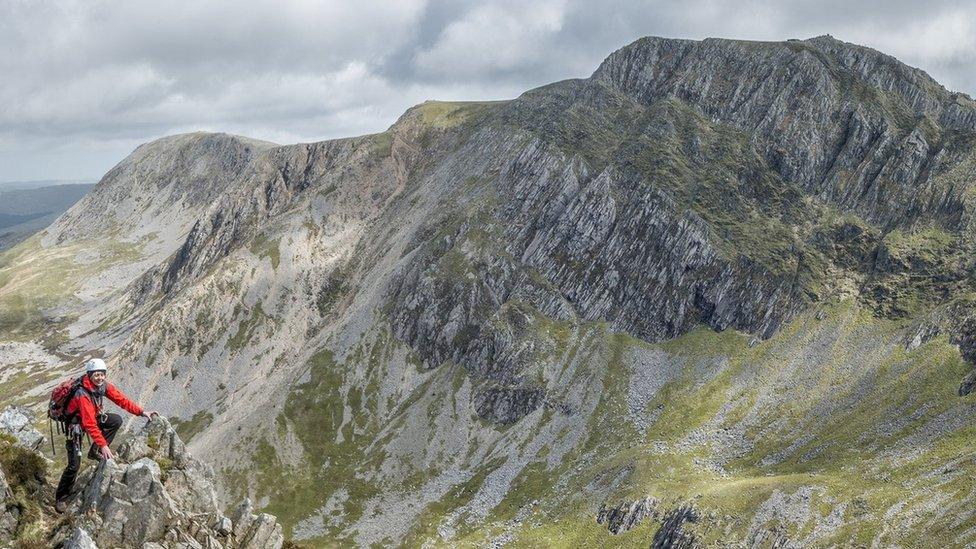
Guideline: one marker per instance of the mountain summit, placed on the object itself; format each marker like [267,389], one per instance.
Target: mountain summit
[718,291]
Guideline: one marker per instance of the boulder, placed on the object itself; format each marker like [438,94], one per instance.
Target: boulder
[223,526]
[126,506]
[264,532]
[16,422]
[80,540]
[242,517]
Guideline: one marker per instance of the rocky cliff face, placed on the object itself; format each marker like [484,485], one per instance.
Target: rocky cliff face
[848,124]
[719,290]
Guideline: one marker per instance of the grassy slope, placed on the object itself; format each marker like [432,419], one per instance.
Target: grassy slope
[872,433]
[834,402]
[36,281]
[34,278]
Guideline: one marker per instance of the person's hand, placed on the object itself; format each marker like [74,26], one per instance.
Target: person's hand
[151,414]
[106,453]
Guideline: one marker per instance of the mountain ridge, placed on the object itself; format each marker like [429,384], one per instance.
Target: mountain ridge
[691,286]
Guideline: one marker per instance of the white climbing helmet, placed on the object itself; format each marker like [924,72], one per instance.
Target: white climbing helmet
[95,365]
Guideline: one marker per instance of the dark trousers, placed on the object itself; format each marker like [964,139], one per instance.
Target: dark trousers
[108,427]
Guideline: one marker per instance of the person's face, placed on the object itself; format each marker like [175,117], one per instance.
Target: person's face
[98,378]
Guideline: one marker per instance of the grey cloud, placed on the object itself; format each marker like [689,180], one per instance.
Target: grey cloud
[84,82]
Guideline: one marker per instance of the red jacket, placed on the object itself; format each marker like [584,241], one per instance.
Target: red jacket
[85,406]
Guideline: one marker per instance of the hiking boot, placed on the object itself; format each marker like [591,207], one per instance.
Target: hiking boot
[61,505]
[94,454]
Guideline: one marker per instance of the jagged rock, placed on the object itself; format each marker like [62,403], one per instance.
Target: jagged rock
[670,535]
[264,531]
[775,538]
[924,333]
[967,384]
[16,422]
[130,502]
[254,531]
[192,487]
[626,515]
[164,497]
[223,526]
[505,405]
[787,107]
[140,478]
[242,517]
[80,540]
[157,440]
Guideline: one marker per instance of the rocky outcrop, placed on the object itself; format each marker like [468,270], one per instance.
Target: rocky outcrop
[613,246]
[157,495]
[505,405]
[16,422]
[688,183]
[671,535]
[79,540]
[266,186]
[627,515]
[252,531]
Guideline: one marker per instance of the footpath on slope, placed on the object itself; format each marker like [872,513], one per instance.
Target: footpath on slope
[153,495]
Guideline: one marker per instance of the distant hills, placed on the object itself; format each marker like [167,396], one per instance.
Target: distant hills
[38,183]
[28,206]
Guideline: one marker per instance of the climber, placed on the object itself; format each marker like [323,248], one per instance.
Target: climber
[87,415]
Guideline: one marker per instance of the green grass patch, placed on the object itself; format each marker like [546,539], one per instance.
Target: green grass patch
[449,114]
[26,474]
[332,443]
[37,278]
[382,144]
[246,329]
[14,390]
[264,246]
[193,426]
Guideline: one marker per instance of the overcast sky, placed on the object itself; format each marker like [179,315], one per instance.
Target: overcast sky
[84,82]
